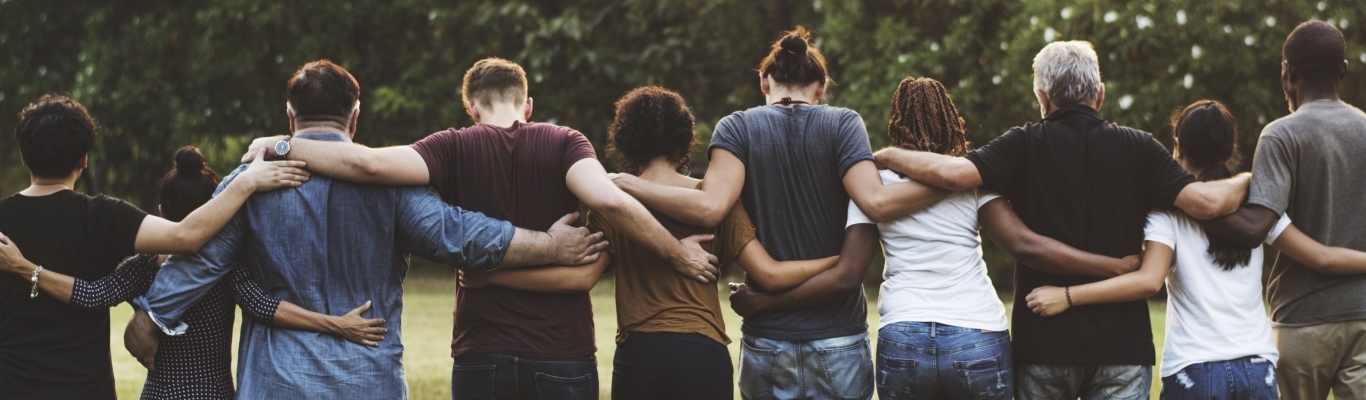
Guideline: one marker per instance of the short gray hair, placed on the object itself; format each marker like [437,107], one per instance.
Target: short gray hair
[1068,72]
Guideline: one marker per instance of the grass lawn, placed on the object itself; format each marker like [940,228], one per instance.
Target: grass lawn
[428,299]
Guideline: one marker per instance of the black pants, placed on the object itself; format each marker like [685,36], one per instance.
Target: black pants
[672,366]
[497,376]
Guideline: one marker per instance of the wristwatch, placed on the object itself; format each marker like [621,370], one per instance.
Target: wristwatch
[282,147]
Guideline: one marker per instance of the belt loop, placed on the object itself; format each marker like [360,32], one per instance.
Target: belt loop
[934,329]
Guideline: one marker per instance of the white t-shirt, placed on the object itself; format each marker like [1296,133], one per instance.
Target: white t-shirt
[934,270]
[1212,314]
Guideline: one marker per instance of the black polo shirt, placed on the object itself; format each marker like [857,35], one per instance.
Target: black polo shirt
[1089,183]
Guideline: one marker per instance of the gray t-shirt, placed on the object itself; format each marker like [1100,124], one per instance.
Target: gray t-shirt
[795,160]
[1310,165]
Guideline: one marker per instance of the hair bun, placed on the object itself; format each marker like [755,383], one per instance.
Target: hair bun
[794,43]
[189,161]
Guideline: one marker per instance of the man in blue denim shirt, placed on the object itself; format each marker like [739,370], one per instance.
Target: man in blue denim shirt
[329,245]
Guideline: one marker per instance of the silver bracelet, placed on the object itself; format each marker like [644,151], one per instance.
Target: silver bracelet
[33,293]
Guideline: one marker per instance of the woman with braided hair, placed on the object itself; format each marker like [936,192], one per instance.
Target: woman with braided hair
[943,328]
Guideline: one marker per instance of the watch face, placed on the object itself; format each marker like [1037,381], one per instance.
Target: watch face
[282,148]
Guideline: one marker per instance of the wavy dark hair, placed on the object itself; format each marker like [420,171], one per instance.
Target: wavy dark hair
[1207,137]
[924,118]
[792,61]
[188,186]
[651,122]
[55,133]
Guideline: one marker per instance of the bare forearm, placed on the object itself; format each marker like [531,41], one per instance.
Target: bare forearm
[690,206]
[529,248]
[938,170]
[552,279]
[339,160]
[1004,227]
[1248,226]
[1319,257]
[291,316]
[646,230]
[52,283]
[784,275]
[860,244]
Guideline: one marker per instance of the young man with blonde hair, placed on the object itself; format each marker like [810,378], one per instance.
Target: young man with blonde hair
[530,334]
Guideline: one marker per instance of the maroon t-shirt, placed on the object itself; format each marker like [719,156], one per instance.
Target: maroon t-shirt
[515,174]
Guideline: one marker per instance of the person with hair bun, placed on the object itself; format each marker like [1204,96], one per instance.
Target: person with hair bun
[794,164]
[943,331]
[197,364]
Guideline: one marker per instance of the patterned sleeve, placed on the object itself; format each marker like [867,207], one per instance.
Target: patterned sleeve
[251,297]
[128,281]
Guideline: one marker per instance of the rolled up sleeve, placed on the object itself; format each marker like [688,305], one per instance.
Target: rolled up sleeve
[434,230]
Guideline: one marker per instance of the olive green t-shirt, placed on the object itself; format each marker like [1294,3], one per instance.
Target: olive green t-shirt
[653,297]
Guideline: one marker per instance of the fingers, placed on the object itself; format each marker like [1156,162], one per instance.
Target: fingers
[260,155]
[148,362]
[598,247]
[700,238]
[359,310]
[568,219]
[712,260]
[376,323]
[733,286]
[594,237]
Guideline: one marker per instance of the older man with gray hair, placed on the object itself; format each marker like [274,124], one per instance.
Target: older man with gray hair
[1089,183]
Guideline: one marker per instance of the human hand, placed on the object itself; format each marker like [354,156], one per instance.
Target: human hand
[356,329]
[263,143]
[1047,301]
[576,245]
[623,181]
[694,262]
[474,280]
[13,261]
[745,301]
[141,338]
[264,176]
[1131,263]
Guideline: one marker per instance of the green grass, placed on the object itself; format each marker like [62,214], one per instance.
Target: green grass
[428,298]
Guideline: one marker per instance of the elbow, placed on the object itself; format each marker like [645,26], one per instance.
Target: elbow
[584,284]
[189,242]
[957,182]
[1148,289]
[1204,210]
[712,215]
[877,210]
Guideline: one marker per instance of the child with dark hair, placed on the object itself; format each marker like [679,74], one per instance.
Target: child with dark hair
[63,351]
[1219,340]
[943,332]
[195,365]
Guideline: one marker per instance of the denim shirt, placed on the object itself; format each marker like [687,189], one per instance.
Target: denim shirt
[327,246]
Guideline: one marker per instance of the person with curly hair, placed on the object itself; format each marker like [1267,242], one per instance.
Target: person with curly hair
[943,332]
[671,337]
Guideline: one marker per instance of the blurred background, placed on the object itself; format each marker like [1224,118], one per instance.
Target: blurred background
[162,74]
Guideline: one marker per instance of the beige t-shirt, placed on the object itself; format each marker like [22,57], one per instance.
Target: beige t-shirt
[652,297]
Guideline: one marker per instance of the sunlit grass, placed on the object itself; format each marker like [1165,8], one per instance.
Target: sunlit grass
[428,298]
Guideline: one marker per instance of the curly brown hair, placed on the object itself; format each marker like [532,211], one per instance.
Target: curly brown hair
[651,122]
[924,118]
[792,61]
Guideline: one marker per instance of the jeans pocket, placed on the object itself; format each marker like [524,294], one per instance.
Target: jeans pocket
[756,371]
[1125,382]
[895,378]
[551,387]
[985,378]
[1043,381]
[1261,380]
[473,382]
[848,370]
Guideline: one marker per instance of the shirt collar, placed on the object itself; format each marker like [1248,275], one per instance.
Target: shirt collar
[1068,111]
[324,137]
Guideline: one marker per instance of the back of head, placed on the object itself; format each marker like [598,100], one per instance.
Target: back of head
[1068,72]
[494,80]
[54,133]
[793,62]
[188,186]
[1208,137]
[652,122]
[924,118]
[322,92]
[1316,50]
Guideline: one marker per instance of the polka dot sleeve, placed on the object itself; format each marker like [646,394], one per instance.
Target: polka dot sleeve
[251,297]
[128,281]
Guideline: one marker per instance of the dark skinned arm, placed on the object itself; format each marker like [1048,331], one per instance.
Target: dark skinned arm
[1248,226]
[861,243]
[1004,227]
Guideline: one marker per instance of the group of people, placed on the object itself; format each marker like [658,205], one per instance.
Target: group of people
[314,248]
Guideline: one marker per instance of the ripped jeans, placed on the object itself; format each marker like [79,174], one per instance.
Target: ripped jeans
[1250,378]
[926,360]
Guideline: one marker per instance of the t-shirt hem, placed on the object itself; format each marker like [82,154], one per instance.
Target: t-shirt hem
[1352,316]
[1164,371]
[733,149]
[724,340]
[521,352]
[994,327]
[1267,203]
[805,336]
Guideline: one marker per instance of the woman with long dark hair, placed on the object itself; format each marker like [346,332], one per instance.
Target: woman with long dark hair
[196,365]
[1219,340]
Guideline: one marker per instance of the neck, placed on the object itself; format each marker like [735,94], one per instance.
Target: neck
[777,93]
[1307,95]
[502,115]
[660,170]
[323,128]
[46,186]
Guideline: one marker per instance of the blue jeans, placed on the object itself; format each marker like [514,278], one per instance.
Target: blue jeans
[1251,378]
[1087,381]
[835,368]
[926,360]
[497,376]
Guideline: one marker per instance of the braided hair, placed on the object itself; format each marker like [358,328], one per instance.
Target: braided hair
[925,119]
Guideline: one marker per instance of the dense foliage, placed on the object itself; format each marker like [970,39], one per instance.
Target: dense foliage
[162,74]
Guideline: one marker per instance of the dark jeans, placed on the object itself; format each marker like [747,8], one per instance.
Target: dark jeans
[497,376]
[1250,378]
[919,360]
[1087,381]
[683,366]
